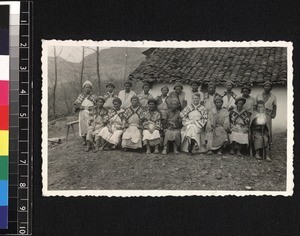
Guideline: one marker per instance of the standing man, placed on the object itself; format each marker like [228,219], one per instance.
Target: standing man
[228,96]
[109,95]
[126,95]
[179,95]
[210,96]
[195,89]
[144,96]
[270,102]
[250,101]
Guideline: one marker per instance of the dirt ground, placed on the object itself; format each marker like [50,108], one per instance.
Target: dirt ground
[70,168]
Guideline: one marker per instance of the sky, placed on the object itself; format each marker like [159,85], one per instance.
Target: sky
[72,54]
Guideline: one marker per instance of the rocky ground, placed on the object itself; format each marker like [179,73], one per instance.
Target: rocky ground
[70,168]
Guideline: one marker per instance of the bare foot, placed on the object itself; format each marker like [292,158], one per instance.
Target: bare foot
[164,152]
[210,153]
[231,152]
[176,152]
[239,153]
[87,149]
[148,152]
[220,153]
[258,157]
[156,151]
[268,159]
[84,143]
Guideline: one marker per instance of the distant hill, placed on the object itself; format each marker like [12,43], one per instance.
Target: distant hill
[115,65]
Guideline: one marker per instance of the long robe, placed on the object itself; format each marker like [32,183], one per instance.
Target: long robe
[164,104]
[115,124]
[88,102]
[216,128]
[151,121]
[132,136]
[172,128]
[270,101]
[259,130]
[194,119]
[239,126]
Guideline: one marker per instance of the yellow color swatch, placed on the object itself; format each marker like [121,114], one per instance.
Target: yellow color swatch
[4,139]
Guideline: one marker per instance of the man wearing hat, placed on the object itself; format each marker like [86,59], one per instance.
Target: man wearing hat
[144,96]
[210,96]
[126,95]
[270,101]
[179,95]
[250,101]
[195,89]
[109,95]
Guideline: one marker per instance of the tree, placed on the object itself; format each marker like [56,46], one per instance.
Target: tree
[82,69]
[56,56]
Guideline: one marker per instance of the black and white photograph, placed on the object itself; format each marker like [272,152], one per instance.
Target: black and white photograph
[168,118]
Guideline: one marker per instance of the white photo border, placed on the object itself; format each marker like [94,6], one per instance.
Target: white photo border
[167,44]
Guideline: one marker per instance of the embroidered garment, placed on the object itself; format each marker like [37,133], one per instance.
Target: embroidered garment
[132,136]
[109,97]
[239,126]
[97,123]
[143,98]
[91,97]
[151,121]
[113,131]
[228,103]
[194,119]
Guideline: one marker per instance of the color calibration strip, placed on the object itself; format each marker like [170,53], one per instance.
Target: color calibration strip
[4,114]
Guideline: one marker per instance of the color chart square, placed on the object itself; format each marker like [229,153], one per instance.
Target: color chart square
[3,192]
[4,117]
[4,97]
[4,139]
[3,167]
[4,67]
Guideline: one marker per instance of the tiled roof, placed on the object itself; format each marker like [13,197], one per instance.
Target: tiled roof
[252,65]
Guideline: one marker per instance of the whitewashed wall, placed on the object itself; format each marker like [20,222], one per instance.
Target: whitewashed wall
[279,123]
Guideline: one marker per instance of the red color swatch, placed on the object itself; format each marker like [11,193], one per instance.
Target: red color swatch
[4,117]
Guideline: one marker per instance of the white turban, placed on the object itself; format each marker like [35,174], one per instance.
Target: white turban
[87,82]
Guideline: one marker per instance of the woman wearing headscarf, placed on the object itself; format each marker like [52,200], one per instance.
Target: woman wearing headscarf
[151,120]
[112,133]
[172,128]
[194,118]
[270,102]
[164,102]
[144,96]
[132,136]
[260,132]
[98,121]
[179,95]
[84,105]
[217,127]
[229,96]
[239,126]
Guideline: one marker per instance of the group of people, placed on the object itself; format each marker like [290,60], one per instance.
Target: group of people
[212,123]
